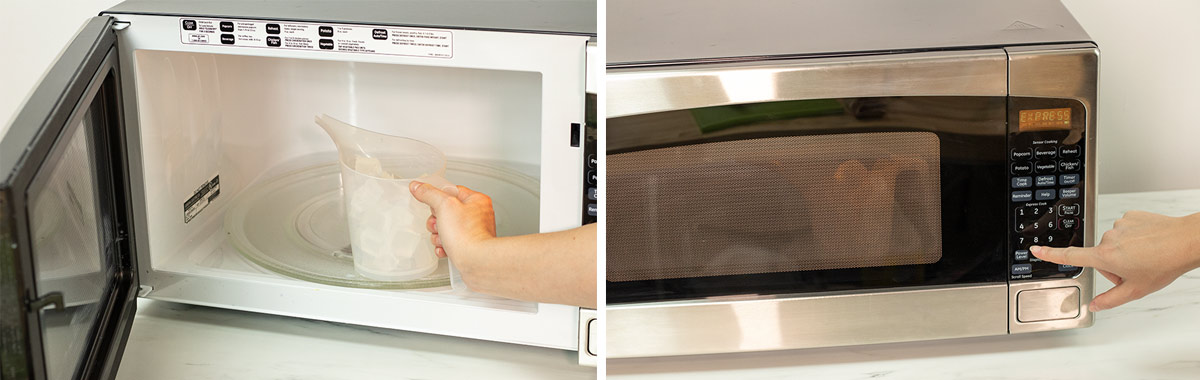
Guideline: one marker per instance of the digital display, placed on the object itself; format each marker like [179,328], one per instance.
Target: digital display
[1045,119]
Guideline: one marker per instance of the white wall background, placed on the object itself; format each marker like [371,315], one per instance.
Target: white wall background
[1149,127]
[37,32]
[1149,80]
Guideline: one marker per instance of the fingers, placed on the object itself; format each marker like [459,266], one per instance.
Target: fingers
[1077,256]
[440,252]
[429,195]
[1116,280]
[466,195]
[431,224]
[1114,297]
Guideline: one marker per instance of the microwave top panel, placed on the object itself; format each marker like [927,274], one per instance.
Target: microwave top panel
[571,17]
[666,32]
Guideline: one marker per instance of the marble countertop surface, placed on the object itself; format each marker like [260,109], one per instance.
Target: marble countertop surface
[177,341]
[1157,337]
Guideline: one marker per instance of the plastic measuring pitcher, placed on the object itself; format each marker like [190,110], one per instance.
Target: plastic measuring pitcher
[387,225]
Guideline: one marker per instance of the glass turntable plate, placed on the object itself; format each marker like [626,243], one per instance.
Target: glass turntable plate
[294,225]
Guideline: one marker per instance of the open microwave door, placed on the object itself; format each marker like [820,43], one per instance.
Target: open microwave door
[67,274]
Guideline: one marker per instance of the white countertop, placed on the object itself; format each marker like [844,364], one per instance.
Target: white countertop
[1157,337]
[177,341]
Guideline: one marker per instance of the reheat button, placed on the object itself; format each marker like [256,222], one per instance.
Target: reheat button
[1069,151]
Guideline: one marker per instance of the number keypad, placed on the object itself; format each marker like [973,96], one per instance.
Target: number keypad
[1046,196]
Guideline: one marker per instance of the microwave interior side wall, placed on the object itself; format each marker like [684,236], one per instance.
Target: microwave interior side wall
[248,118]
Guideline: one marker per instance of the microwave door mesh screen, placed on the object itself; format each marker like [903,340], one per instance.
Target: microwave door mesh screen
[770,205]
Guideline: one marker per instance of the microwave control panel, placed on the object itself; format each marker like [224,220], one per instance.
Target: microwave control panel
[1046,162]
[591,195]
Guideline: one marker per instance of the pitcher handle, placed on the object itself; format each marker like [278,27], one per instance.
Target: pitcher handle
[456,282]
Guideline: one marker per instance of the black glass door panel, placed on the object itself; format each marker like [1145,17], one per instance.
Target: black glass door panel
[806,196]
[66,270]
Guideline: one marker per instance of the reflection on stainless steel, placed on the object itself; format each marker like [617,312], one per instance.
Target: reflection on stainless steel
[68,255]
[1048,304]
[759,323]
[647,90]
[744,86]
[780,204]
[706,326]
[958,115]
[1061,71]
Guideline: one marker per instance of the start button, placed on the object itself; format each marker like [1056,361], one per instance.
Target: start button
[1048,304]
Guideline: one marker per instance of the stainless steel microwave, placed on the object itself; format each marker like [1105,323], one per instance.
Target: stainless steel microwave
[120,176]
[787,175]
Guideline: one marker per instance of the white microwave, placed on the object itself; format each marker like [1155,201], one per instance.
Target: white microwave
[122,172]
[827,173]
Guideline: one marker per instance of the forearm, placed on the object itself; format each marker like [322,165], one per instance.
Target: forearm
[556,267]
[1193,246]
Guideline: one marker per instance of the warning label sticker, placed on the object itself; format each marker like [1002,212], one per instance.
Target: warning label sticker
[363,39]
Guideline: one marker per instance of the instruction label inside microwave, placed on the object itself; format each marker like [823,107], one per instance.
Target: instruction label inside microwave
[363,39]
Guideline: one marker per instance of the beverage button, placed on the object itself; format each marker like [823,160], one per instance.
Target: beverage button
[1068,193]
[1067,223]
[1021,168]
[1022,182]
[1068,210]
[1022,268]
[1068,151]
[1044,167]
[1044,180]
[1043,152]
[1021,154]
[1068,179]
[1022,196]
[1021,255]
[1068,165]
[1044,195]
